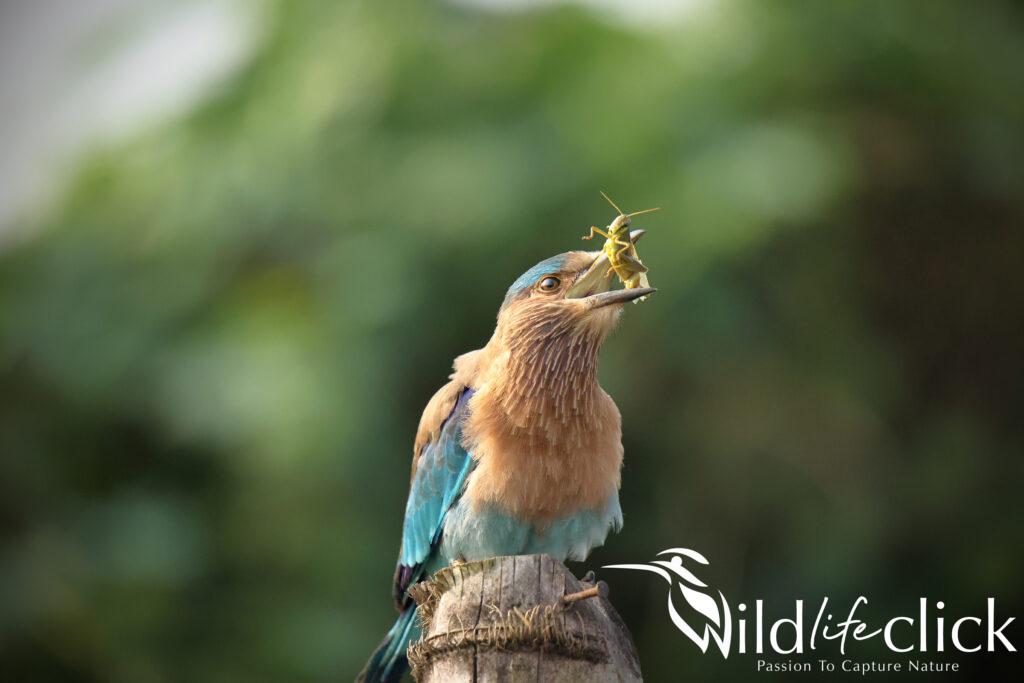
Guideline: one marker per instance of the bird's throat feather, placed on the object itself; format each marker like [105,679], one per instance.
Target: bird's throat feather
[546,437]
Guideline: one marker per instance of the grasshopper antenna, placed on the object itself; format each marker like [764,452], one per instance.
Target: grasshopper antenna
[637,213]
[614,206]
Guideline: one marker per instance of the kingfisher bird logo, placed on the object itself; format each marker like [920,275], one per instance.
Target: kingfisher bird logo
[715,611]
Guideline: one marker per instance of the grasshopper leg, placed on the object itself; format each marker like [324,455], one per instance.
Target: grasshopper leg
[634,263]
[623,247]
[623,256]
[599,231]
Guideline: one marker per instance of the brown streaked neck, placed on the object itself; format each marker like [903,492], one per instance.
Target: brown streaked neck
[548,380]
[546,437]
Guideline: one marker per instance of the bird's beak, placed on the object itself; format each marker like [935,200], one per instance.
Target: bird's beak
[597,278]
[619,296]
[592,286]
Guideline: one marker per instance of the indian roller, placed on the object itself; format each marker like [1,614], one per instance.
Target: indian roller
[521,452]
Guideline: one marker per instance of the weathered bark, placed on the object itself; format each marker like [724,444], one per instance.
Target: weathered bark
[508,619]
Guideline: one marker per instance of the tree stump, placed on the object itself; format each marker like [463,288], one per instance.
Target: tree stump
[521,618]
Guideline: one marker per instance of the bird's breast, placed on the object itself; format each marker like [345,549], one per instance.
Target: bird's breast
[474,532]
[540,462]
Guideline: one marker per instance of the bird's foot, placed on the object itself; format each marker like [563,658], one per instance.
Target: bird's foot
[589,577]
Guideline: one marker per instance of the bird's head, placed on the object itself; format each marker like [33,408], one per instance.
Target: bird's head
[567,296]
[537,397]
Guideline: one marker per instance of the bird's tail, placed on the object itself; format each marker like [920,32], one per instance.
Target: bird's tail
[388,662]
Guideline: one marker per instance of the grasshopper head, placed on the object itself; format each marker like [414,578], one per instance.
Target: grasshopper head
[619,226]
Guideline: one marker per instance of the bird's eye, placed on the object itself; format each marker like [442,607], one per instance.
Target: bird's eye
[549,284]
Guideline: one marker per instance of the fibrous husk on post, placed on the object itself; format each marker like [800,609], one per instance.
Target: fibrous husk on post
[508,618]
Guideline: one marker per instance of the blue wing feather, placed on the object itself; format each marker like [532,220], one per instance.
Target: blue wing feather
[440,479]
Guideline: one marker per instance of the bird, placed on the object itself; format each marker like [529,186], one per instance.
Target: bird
[521,451]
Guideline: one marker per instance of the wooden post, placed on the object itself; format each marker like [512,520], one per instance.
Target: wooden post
[522,618]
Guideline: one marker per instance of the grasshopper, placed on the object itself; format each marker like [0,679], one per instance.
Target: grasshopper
[620,248]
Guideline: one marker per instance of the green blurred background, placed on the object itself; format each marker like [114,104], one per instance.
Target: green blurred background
[217,329]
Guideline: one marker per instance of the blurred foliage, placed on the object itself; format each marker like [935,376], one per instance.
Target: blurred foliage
[214,353]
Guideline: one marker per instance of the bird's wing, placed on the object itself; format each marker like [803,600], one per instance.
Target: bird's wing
[438,478]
